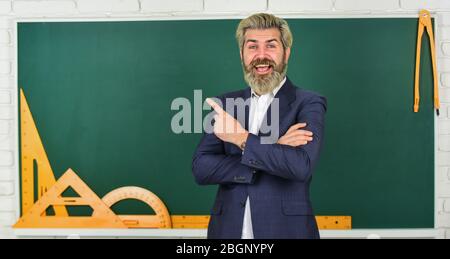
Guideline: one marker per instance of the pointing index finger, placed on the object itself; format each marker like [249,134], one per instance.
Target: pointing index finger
[214,105]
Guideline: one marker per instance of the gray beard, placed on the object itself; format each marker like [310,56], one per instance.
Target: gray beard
[267,83]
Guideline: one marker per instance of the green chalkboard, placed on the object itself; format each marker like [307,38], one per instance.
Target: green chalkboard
[101,95]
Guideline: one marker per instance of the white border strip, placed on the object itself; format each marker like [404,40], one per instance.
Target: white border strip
[208,17]
[201,233]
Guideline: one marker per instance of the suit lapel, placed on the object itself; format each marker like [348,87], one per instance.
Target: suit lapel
[285,97]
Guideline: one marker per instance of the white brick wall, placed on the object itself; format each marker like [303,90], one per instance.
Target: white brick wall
[7,204]
[7,218]
[6,174]
[235,5]
[428,4]
[4,37]
[366,5]
[157,6]
[300,5]
[5,7]
[11,9]
[109,6]
[6,188]
[5,68]
[56,7]
[5,82]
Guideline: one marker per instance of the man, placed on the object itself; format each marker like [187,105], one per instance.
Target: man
[263,188]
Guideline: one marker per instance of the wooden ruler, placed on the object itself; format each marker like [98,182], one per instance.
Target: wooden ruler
[162,218]
[323,222]
[102,217]
[334,222]
[32,150]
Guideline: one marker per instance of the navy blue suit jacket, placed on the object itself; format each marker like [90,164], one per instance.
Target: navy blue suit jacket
[275,177]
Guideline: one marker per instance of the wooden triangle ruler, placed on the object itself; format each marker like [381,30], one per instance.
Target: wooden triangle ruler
[102,217]
[32,150]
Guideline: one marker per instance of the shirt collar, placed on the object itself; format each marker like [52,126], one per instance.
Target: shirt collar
[274,92]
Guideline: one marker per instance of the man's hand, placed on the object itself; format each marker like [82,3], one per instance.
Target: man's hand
[226,127]
[295,137]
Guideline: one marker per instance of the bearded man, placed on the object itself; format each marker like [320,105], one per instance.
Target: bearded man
[263,186]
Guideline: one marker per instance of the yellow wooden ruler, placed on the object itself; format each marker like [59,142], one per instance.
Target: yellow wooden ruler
[160,220]
[323,222]
[102,217]
[32,150]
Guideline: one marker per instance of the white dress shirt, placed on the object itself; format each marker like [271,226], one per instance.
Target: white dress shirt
[258,110]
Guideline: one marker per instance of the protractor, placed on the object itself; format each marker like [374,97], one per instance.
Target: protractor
[162,218]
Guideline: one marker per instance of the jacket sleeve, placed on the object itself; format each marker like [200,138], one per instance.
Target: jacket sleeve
[292,163]
[212,166]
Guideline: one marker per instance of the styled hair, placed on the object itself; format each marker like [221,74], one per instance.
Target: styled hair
[263,21]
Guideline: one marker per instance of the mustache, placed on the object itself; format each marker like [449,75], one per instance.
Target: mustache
[264,61]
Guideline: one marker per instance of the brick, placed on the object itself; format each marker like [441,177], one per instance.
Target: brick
[443,33]
[447,206]
[4,37]
[7,204]
[447,234]
[5,52]
[443,19]
[443,221]
[443,64]
[6,188]
[5,82]
[218,6]
[6,158]
[5,97]
[444,95]
[7,142]
[6,113]
[440,206]
[445,79]
[363,5]
[109,6]
[5,127]
[443,189]
[445,47]
[5,7]
[5,23]
[300,5]
[156,6]
[421,4]
[44,7]
[5,67]
[444,111]
[7,218]
[443,182]
[443,158]
[7,174]
[444,143]
[443,174]
[443,127]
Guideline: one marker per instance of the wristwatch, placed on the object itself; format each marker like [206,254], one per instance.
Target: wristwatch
[242,146]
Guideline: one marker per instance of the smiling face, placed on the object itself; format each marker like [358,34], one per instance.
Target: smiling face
[264,59]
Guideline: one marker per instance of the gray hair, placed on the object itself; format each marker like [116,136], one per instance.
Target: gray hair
[263,21]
